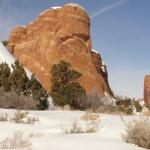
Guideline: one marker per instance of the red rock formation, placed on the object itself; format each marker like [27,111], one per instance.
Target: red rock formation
[60,34]
[147,89]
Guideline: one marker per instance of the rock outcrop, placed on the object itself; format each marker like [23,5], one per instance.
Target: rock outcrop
[147,89]
[60,33]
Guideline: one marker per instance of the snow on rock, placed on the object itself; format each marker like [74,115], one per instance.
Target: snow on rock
[56,7]
[29,73]
[76,5]
[93,50]
[5,56]
[103,68]
[43,12]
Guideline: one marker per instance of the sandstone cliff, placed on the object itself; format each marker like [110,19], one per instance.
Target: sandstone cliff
[147,89]
[60,33]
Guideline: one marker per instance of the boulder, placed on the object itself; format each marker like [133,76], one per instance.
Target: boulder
[60,33]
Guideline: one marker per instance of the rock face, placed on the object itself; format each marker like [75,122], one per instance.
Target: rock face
[147,89]
[60,33]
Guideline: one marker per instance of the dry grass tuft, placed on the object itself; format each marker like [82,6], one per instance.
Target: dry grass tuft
[146,113]
[138,132]
[75,128]
[19,116]
[4,117]
[23,117]
[90,116]
[91,124]
[17,141]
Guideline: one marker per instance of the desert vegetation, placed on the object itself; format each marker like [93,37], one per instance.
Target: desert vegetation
[17,141]
[138,132]
[65,89]
[19,117]
[88,123]
[20,92]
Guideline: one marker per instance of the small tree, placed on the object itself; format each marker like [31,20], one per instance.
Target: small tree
[65,89]
[19,78]
[38,93]
[138,106]
[4,76]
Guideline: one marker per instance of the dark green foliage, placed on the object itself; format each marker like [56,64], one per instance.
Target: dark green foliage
[38,93]
[4,76]
[138,107]
[125,104]
[65,90]
[19,78]
[18,82]
[5,43]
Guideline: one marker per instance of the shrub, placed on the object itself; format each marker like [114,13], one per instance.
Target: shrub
[19,116]
[17,141]
[18,85]
[39,94]
[138,132]
[138,106]
[90,116]
[125,105]
[23,117]
[76,128]
[146,113]
[12,100]
[65,89]
[4,117]
[125,110]
[5,77]
[90,124]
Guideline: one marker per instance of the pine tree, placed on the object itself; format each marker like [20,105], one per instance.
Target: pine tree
[38,92]
[5,73]
[65,89]
[19,78]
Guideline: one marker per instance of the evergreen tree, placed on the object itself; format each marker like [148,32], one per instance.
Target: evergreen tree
[20,83]
[38,93]
[65,89]
[4,76]
[19,78]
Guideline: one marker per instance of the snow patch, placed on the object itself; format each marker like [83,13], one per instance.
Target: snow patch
[56,7]
[103,63]
[76,5]
[51,137]
[44,12]
[95,51]
[7,57]
[103,68]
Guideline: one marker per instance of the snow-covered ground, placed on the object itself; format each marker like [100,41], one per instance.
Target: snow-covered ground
[50,128]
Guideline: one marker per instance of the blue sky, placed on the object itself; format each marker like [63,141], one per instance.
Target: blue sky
[120,31]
